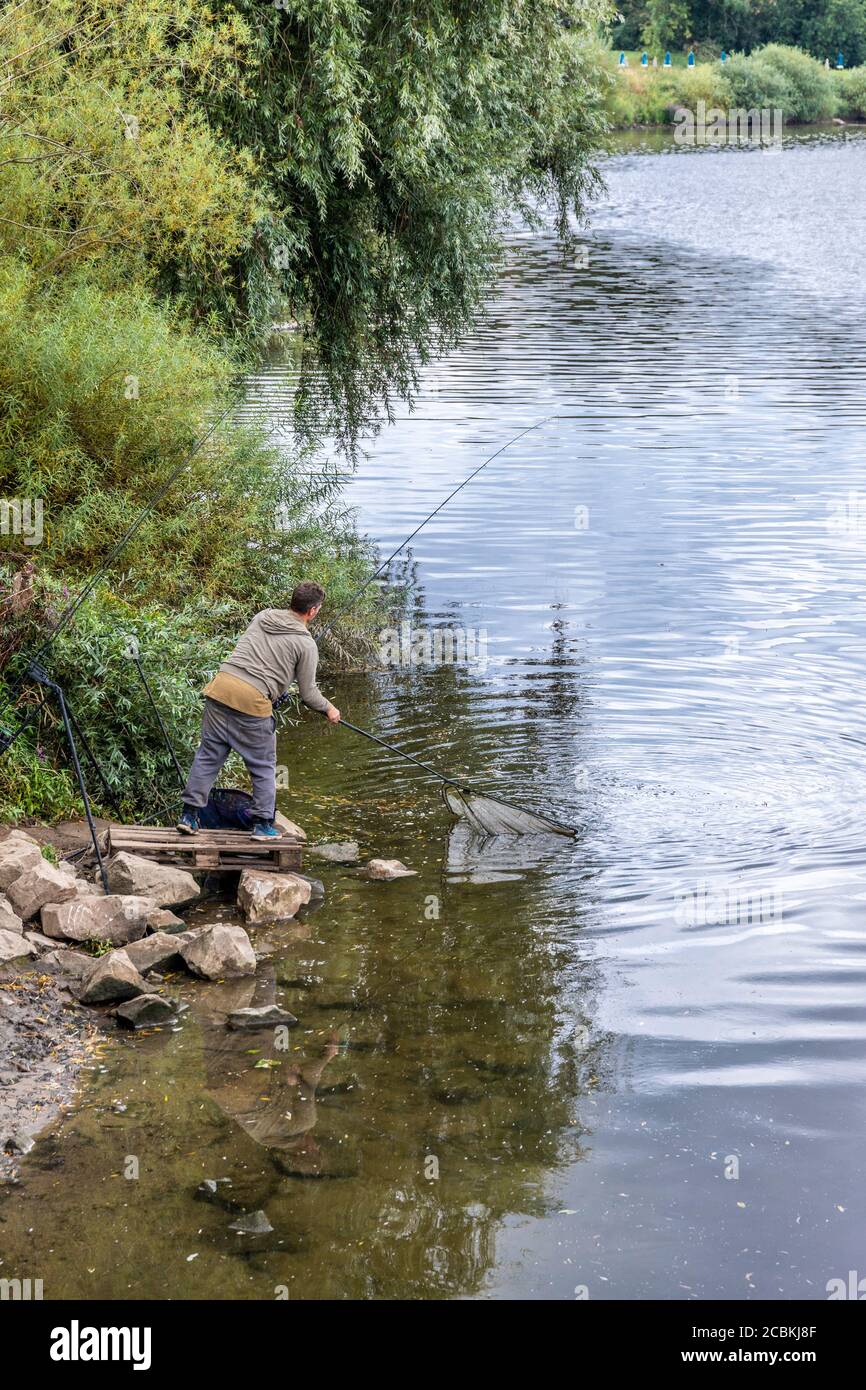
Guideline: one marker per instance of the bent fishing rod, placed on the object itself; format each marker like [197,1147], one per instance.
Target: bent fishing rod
[536,823]
[436,510]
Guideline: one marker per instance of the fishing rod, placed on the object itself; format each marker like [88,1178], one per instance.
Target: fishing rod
[401,753]
[486,813]
[394,553]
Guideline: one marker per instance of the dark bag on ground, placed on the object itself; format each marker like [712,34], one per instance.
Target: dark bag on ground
[228,808]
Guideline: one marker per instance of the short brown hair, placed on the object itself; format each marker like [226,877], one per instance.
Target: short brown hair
[306,595]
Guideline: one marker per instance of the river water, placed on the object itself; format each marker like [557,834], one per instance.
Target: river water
[630,1065]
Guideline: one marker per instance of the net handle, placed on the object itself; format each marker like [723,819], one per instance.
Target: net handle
[410,757]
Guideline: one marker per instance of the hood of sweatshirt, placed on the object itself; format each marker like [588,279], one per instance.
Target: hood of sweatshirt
[281,621]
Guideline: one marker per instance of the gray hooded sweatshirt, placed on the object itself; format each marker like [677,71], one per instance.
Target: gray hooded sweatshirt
[276,650]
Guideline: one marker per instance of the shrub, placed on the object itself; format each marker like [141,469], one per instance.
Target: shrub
[812,85]
[704,82]
[852,92]
[757,85]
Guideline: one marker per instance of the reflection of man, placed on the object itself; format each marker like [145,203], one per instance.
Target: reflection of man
[276,651]
[274,1105]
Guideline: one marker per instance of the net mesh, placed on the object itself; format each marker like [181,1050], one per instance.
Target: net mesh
[491,817]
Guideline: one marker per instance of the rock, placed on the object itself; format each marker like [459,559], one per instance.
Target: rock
[384,869]
[40,884]
[85,889]
[317,887]
[168,886]
[17,854]
[22,837]
[146,1011]
[344,852]
[74,963]
[161,951]
[289,827]
[13,945]
[9,920]
[209,1191]
[219,953]
[18,1143]
[164,921]
[42,943]
[268,1016]
[253,1223]
[113,977]
[264,897]
[118,919]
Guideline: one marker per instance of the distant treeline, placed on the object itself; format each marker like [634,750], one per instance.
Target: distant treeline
[821,27]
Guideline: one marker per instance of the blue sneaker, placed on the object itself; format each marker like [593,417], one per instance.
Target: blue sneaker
[265,830]
[188,823]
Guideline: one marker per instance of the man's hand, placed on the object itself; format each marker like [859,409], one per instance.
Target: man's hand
[333,714]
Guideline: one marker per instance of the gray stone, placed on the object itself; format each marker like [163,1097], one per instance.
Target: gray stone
[220,952]
[167,885]
[384,869]
[317,887]
[42,943]
[111,978]
[289,827]
[13,945]
[17,854]
[9,920]
[85,889]
[164,921]
[146,1011]
[17,1143]
[268,1016]
[342,852]
[253,1223]
[161,951]
[265,897]
[74,963]
[118,919]
[38,885]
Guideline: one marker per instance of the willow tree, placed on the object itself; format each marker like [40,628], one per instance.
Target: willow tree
[350,163]
[394,140]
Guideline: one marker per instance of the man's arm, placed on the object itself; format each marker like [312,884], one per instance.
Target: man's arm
[305,675]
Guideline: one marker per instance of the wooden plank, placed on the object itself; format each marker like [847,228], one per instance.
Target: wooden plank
[218,851]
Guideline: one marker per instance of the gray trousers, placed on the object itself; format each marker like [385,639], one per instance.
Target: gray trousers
[254,737]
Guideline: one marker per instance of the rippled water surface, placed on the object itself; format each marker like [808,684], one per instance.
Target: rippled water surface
[634,1063]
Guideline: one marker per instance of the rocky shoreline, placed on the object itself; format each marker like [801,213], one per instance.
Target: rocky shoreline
[74,960]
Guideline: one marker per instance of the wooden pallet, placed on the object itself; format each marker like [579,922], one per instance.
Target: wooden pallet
[218,851]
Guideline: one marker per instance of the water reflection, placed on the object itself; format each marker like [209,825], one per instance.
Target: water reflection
[670,578]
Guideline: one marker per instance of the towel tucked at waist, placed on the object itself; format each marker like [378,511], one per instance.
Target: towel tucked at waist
[238,694]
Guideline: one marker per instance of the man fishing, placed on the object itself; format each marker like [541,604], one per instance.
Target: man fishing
[276,651]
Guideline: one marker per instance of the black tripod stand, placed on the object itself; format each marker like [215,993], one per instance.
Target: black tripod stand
[72,728]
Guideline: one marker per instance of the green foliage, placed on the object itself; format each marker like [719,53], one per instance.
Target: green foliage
[812,86]
[174,177]
[34,788]
[394,141]
[668,23]
[348,164]
[771,77]
[820,27]
[757,84]
[852,84]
